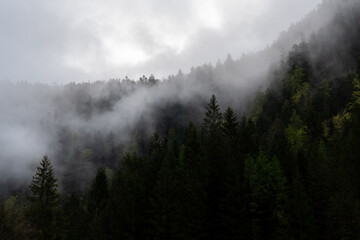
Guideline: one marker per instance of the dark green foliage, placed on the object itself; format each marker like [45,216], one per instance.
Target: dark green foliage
[233,203]
[213,152]
[211,126]
[76,226]
[96,203]
[98,194]
[231,131]
[43,212]
[267,197]
[6,230]
[127,209]
[163,204]
[14,224]
[301,219]
[190,185]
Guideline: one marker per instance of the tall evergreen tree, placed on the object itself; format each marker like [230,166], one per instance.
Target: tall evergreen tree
[98,193]
[190,178]
[211,127]
[155,157]
[44,201]
[233,203]
[97,200]
[230,128]
[163,204]
[128,206]
[212,150]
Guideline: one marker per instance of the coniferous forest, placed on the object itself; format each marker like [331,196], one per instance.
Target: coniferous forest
[279,161]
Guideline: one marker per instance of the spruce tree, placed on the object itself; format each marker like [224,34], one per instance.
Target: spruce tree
[211,127]
[212,151]
[97,201]
[44,201]
[233,204]
[128,205]
[163,204]
[232,154]
[190,187]
[156,155]
[98,194]
[230,125]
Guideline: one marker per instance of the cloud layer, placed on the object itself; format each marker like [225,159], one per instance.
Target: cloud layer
[63,41]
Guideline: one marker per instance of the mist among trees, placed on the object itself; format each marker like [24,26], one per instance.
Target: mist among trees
[261,147]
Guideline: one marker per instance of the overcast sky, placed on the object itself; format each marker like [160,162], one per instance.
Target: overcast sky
[61,41]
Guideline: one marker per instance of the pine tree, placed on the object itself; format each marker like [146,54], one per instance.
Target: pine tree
[163,204]
[212,150]
[164,211]
[44,201]
[190,187]
[97,200]
[211,127]
[233,204]
[230,125]
[247,137]
[232,154]
[98,194]
[128,205]
[156,155]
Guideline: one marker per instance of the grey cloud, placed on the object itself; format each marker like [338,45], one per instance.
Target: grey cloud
[39,38]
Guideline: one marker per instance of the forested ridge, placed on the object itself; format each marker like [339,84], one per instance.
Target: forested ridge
[283,165]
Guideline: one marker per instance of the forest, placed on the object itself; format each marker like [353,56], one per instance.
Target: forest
[205,156]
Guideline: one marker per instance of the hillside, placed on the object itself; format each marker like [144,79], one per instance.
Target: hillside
[273,154]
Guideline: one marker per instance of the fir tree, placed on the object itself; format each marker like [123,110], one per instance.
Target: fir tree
[128,203]
[233,204]
[163,204]
[190,187]
[44,201]
[99,192]
[97,200]
[212,150]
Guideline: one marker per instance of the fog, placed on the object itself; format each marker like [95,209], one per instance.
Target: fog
[46,118]
[63,41]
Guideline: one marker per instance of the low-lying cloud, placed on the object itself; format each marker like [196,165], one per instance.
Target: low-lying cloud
[63,41]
